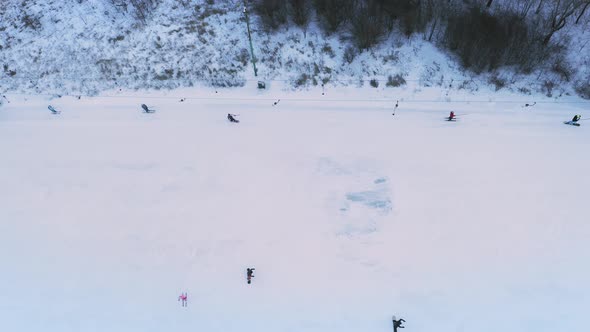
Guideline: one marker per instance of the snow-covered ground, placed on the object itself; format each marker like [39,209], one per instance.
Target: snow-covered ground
[350,215]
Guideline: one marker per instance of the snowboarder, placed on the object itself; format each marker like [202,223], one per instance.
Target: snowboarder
[574,121]
[249,274]
[231,118]
[451,116]
[184,298]
[53,110]
[146,109]
[398,324]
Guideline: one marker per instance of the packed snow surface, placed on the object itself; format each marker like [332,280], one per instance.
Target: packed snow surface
[350,215]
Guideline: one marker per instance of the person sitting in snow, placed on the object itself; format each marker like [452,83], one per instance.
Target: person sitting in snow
[146,109]
[576,118]
[231,118]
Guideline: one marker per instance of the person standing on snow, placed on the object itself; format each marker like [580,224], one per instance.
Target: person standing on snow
[398,324]
[249,274]
[184,298]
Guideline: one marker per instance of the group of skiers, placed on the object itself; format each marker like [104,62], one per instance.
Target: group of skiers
[232,117]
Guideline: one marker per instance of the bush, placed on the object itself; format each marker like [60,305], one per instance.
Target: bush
[498,82]
[367,26]
[406,11]
[349,54]
[31,22]
[140,9]
[374,83]
[485,41]
[562,68]
[547,88]
[301,80]
[395,81]
[333,13]
[273,13]
[243,57]
[299,11]
[583,88]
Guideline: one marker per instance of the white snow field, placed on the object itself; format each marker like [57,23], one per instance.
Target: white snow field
[350,215]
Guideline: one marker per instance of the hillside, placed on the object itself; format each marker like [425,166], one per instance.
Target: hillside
[85,47]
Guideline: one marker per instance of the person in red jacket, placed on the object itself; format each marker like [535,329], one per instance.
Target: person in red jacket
[451,116]
[184,298]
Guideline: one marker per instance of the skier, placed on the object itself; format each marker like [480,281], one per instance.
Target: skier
[576,118]
[398,324]
[231,118]
[396,106]
[451,116]
[146,109]
[184,298]
[249,274]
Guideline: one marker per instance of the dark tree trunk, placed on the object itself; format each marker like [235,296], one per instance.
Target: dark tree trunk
[583,12]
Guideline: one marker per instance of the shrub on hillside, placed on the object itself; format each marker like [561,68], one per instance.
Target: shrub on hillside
[333,13]
[583,88]
[407,12]
[395,81]
[497,82]
[140,9]
[349,54]
[273,13]
[299,11]
[484,41]
[367,26]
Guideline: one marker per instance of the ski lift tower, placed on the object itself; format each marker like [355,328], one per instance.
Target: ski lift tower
[250,38]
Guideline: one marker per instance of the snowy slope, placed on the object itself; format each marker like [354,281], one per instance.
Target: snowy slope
[70,47]
[349,214]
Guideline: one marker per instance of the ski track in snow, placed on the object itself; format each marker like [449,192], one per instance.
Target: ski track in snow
[348,214]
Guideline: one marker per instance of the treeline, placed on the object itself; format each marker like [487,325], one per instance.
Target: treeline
[484,34]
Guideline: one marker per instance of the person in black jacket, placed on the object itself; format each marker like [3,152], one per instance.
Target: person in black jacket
[249,274]
[398,324]
[231,118]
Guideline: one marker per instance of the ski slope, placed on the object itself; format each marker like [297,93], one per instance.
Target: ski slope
[350,215]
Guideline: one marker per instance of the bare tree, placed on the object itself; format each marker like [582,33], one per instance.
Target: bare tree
[560,12]
[539,7]
[140,8]
[300,11]
[524,6]
[584,5]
